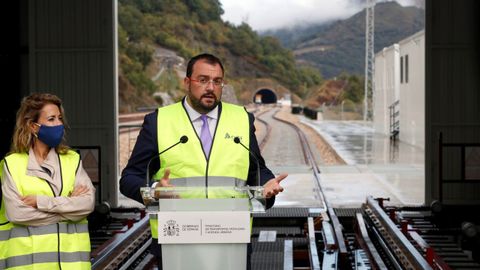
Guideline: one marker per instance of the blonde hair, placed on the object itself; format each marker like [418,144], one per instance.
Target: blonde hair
[29,113]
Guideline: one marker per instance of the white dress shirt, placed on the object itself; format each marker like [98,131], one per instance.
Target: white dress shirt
[197,122]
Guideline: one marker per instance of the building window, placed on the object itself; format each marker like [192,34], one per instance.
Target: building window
[406,68]
[401,69]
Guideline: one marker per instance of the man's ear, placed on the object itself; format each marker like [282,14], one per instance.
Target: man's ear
[186,83]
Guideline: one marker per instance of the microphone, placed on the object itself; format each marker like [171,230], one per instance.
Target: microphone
[237,141]
[182,140]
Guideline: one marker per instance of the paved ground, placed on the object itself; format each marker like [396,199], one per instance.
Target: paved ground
[374,165]
[354,161]
[300,191]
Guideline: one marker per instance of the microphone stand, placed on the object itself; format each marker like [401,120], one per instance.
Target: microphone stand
[237,141]
[146,191]
[258,190]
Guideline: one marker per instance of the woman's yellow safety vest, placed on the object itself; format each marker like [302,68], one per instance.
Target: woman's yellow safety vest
[64,245]
[5,226]
[227,163]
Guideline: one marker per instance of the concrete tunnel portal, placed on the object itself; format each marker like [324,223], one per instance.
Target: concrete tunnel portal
[265,96]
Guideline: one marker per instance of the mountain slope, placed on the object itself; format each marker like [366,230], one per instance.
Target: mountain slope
[340,46]
[187,28]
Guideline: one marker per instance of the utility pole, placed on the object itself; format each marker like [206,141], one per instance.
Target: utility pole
[368,99]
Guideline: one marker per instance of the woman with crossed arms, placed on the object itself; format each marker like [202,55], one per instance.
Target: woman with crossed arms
[46,193]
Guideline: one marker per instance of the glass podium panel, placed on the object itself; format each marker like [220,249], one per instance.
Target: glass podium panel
[222,197]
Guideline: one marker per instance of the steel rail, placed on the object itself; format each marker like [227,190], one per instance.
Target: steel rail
[383,245]
[312,246]
[404,251]
[113,255]
[367,245]
[139,251]
[330,254]
[268,130]
[310,159]
[124,249]
[307,153]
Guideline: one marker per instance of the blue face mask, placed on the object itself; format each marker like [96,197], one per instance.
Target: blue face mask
[51,135]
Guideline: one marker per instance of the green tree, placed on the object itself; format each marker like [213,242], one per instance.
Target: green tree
[354,87]
[192,26]
[131,20]
[206,10]
[244,41]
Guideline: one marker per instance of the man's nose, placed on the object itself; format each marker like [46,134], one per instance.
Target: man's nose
[210,86]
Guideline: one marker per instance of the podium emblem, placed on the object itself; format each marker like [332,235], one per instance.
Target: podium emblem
[171,228]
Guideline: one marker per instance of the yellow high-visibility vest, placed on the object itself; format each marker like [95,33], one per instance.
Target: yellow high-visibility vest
[5,225]
[64,245]
[228,162]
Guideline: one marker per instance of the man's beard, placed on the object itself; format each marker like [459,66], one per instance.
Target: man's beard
[201,107]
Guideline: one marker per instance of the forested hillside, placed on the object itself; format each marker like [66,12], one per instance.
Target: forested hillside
[340,46]
[189,27]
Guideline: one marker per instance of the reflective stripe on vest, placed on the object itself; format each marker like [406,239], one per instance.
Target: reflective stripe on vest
[5,225]
[227,160]
[48,261]
[3,217]
[63,228]
[44,247]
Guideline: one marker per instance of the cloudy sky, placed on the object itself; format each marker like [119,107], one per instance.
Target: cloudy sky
[271,14]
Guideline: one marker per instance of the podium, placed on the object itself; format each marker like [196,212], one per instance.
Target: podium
[203,227]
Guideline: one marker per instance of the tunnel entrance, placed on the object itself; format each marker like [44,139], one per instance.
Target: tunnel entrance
[265,96]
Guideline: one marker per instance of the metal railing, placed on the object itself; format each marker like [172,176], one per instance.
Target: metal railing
[394,119]
[127,137]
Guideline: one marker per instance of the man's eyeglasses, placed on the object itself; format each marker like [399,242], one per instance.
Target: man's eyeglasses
[219,82]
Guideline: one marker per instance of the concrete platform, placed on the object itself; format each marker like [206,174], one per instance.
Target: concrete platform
[300,191]
[374,167]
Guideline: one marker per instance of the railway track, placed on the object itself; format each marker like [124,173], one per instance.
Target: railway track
[122,242]
[399,239]
[410,238]
[268,130]
[320,243]
[371,237]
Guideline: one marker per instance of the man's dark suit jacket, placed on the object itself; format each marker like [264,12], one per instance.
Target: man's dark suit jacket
[146,147]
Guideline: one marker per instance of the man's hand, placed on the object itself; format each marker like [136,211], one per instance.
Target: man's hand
[78,191]
[272,187]
[165,181]
[30,200]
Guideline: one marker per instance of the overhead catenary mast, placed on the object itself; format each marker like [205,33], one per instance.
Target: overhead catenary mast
[369,60]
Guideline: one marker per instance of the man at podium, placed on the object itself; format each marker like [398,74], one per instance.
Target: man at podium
[200,139]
